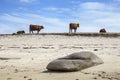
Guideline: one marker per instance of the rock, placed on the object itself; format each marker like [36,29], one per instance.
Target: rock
[25,76]
[95,49]
[75,62]
[95,78]
[16,70]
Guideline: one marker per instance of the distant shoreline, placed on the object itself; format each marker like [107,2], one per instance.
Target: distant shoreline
[88,34]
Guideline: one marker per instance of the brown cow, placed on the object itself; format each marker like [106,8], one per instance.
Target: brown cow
[21,32]
[102,30]
[35,28]
[73,26]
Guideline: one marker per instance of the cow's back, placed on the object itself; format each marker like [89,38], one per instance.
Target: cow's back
[74,25]
[102,30]
[34,27]
[21,32]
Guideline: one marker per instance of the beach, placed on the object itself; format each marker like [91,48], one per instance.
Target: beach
[25,57]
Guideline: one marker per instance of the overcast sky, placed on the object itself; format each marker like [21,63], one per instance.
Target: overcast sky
[55,15]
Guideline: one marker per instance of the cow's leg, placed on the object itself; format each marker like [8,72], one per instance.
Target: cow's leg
[75,30]
[69,30]
[29,31]
[38,31]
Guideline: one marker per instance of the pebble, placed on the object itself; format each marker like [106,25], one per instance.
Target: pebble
[25,76]
[16,70]
[95,49]
[29,79]
[94,78]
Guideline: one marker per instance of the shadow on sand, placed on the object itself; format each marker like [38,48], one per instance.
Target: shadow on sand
[48,71]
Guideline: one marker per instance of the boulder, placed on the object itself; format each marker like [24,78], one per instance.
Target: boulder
[75,62]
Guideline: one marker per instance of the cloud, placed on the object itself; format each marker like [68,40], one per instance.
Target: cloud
[22,23]
[97,15]
[96,6]
[7,28]
[14,18]
[51,8]
[59,10]
[27,1]
[91,15]
[117,0]
[51,24]
[92,5]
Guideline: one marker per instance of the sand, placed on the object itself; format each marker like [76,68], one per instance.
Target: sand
[25,57]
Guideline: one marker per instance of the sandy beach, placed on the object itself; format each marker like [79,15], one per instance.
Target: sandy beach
[25,57]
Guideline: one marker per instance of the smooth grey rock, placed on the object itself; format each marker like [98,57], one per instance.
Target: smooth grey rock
[75,62]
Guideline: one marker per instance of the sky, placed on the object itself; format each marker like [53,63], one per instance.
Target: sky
[55,15]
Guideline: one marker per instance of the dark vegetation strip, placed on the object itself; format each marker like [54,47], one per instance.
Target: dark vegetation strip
[73,34]
[3,58]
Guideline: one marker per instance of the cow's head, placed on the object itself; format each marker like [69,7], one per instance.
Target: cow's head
[42,27]
[23,32]
[103,30]
[77,25]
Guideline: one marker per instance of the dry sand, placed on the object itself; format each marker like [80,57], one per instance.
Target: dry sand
[25,57]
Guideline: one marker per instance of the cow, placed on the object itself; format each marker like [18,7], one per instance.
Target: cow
[35,28]
[102,30]
[21,32]
[13,33]
[73,26]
